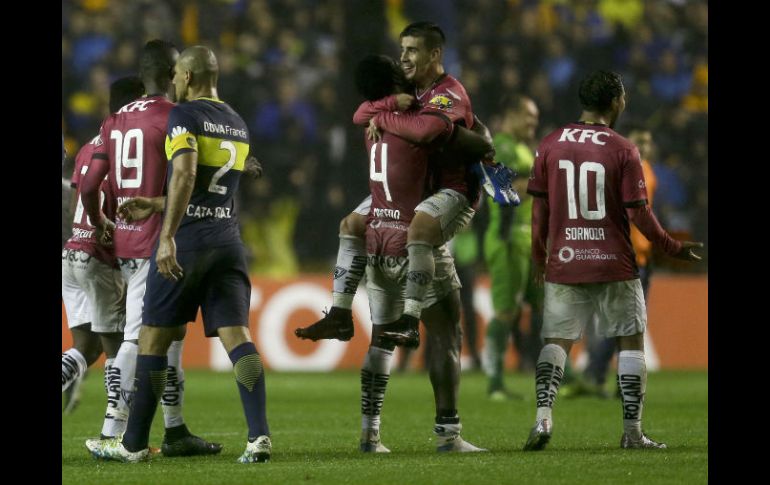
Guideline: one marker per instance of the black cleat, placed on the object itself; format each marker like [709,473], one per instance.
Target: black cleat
[336,324]
[189,445]
[405,332]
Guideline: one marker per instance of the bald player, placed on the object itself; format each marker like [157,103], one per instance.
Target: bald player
[200,259]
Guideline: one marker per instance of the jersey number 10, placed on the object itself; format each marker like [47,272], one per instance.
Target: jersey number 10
[569,167]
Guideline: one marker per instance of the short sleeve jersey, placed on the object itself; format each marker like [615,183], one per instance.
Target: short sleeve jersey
[219,135]
[589,174]
[83,233]
[398,173]
[447,98]
[134,142]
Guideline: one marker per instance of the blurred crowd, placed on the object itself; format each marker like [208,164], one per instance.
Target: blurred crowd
[286,67]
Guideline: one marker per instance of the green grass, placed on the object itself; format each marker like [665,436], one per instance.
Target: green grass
[315,421]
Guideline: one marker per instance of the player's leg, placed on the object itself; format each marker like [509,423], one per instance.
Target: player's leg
[437,219]
[467,275]
[442,321]
[566,309]
[85,346]
[350,268]
[386,304]
[622,314]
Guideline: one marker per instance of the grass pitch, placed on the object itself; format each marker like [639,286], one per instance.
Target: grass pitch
[315,423]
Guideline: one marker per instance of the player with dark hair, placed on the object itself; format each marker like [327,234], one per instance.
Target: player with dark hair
[92,289]
[199,261]
[450,207]
[587,185]
[398,182]
[133,158]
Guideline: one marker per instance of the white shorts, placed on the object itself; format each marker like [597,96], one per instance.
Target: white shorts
[134,272]
[386,284]
[451,208]
[618,306]
[92,291]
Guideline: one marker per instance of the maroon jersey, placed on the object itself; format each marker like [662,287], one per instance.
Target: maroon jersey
[83,233]
[134,144]
[589,175]
[398,172]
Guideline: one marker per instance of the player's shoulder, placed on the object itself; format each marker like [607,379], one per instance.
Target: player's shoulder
[449,85]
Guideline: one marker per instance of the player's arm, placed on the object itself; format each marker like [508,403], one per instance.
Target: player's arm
[369,109]
[90,185]
[140,208]
[644,219]
[180,188]
[538,189]
[419,129]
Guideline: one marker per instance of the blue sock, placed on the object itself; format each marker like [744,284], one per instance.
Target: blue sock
[250,377]
[150,381]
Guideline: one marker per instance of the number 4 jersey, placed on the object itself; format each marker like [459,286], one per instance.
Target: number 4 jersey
[211,128]
[132,141]
[589,174]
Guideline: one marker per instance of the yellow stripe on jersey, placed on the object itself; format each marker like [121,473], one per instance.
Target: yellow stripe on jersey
[212,152]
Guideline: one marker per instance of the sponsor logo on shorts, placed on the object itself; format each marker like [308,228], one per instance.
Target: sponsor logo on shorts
[386,261]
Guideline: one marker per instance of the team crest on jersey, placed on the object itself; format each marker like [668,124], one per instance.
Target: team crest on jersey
[441,102]
[177,130]
[191,141]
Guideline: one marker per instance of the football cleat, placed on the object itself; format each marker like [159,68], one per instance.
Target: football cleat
[644,442]
[337,323]
[257,451]
[448,439]
[497,179]
[540,435]
[370,442]
[405,332]
[189,445]
[113,450]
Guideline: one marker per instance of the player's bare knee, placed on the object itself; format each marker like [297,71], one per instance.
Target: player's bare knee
[86,342]
[353,224]
[155,340]
[631,342]
[234,336]
[425,228]
[111,343]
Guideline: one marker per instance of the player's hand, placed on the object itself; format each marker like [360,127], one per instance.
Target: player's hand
[252,167]
[372,132]
[136,209]
[165,258]
[687,253]
[404,101]
[104,231]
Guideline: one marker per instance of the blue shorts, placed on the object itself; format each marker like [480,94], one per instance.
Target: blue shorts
[216,280]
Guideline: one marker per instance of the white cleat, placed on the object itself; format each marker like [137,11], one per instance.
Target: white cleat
[370,442]
[448,439]
[540,435]
[258,451]
[113,449]
[644,442]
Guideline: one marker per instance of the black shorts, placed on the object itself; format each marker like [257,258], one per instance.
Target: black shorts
[216,280]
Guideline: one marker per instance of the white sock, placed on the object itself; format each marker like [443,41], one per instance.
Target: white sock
[375,374]
[107,364]
[422,268]
[73,365]
[123,370]
[173,394]
[112,389]
[632,382]
[548,375]
[350,268]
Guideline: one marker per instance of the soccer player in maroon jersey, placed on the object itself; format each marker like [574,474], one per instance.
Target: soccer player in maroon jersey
[132,156]
[92,289]
[398,181]
[587,185]
[437,219]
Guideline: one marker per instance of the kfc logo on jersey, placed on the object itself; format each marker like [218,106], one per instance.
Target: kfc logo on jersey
[569,134]
[441,102]
[140,105]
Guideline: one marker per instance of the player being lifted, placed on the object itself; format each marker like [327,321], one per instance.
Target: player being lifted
[587,185]
[441,98]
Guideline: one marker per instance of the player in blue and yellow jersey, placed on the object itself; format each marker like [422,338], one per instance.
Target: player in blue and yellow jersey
[200,259]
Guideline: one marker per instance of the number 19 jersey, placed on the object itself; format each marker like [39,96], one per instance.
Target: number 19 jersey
[133,143]
[219,135]
[589,174]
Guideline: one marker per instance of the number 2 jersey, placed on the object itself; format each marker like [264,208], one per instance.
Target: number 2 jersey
[219,135]
[589,174]
[133,143]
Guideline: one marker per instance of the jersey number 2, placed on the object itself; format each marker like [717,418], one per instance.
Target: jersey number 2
[222,189]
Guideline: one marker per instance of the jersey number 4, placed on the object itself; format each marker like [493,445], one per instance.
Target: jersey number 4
[382,175]
[597,168]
